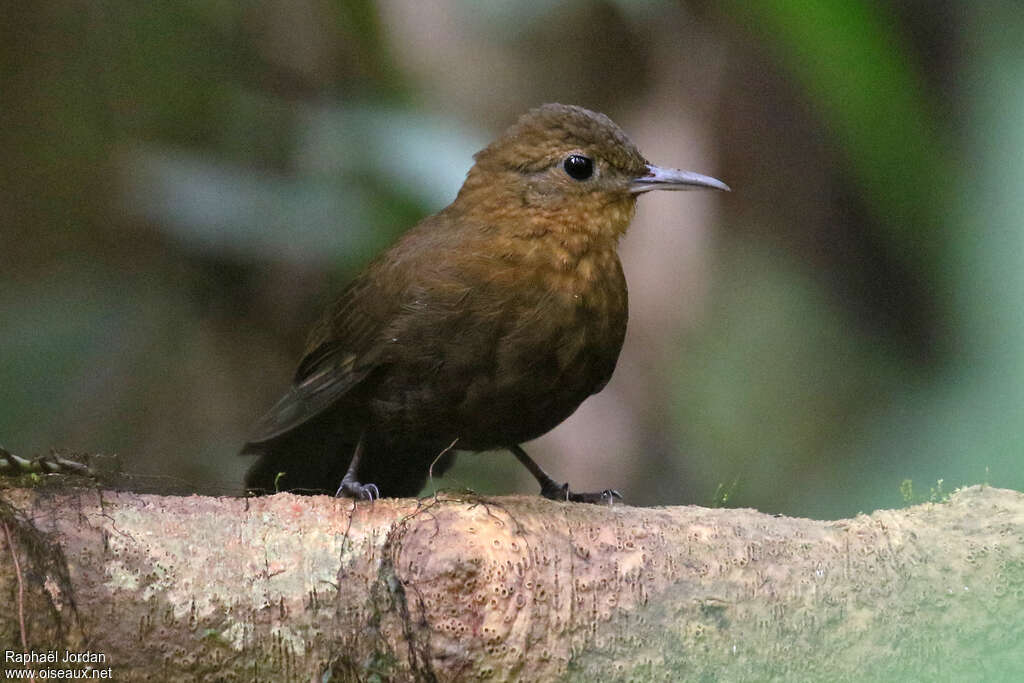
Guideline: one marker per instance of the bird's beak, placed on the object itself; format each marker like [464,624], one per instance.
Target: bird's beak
[658,178]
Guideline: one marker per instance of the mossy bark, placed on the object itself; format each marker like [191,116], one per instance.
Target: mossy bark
[517,588]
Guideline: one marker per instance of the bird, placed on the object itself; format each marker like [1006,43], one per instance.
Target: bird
[483,327]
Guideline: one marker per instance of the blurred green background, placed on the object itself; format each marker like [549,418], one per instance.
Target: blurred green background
[184,184]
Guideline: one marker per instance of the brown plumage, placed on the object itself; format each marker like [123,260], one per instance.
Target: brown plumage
[484,326]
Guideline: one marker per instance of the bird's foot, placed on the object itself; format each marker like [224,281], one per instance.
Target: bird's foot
[353,489]
[556,492]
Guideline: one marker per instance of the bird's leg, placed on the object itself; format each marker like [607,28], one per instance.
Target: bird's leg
[554,491]
[350,486]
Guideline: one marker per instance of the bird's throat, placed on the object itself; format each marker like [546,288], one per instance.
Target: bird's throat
[563,249]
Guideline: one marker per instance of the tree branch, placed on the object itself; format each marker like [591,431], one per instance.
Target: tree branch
[517,588]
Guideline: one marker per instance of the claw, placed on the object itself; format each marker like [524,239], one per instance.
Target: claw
[353,489]
[611,495]
[562,492]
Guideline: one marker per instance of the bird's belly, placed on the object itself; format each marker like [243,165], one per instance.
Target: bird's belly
[491,388]
[536,386]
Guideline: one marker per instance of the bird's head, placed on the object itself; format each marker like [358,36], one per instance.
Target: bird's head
[565,163]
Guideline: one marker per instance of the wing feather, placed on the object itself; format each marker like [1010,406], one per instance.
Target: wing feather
[349,341]
[342,352]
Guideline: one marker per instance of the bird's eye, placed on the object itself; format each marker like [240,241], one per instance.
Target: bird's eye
[578,166]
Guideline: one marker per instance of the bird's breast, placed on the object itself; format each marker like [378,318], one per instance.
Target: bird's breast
[587,295]
[559,342]
[591,280]
[521,343]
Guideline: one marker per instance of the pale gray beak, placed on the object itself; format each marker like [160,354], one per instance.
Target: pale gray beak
[658,178]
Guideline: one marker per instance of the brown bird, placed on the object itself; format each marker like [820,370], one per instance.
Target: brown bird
[484,326]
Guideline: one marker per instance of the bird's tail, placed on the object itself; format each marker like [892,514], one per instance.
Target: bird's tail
[313,459]
[306,460]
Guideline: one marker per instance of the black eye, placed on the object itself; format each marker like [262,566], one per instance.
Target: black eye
[578,166]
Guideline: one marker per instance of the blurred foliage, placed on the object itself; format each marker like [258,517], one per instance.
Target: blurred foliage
[183,183]
[867,87]
[960,419]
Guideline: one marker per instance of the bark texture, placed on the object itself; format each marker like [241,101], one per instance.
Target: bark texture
[519,588]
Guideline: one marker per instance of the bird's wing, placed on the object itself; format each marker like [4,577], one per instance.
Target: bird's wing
[341,354]
[380,304]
